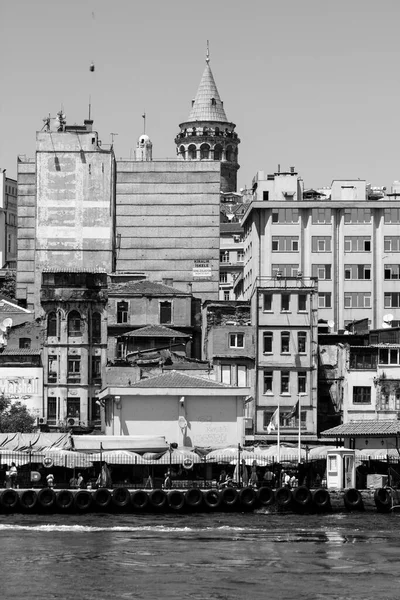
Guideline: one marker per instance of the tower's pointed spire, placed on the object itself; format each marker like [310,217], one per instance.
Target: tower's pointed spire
[207,105]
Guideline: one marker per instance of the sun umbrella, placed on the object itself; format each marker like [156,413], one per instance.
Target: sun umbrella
[9,456]
[178,457]
[68,459]
[227,455]
[119,457]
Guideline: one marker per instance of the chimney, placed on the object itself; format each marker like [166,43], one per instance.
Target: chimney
[88,123]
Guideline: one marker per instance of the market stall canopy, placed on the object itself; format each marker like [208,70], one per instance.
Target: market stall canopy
[134,443]
[35,442]
[119,457]
[178,457]
[227,455]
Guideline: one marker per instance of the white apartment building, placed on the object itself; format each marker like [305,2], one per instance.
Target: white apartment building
[349,240]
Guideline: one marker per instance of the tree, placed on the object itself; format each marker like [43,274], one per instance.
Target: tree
[7,287]
[15,417]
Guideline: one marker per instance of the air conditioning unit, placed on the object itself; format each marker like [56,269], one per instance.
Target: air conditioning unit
[41,421]
[72,422]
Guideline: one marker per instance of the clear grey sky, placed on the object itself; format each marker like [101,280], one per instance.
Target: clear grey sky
[309,83]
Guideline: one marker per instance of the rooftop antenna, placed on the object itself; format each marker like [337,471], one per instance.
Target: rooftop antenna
[208,53]
[112,137]
[144,121]
[90,105]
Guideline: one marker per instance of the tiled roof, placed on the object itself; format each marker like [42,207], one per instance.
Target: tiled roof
[20,352]
[156,331]
[145,288]
[364,428]
[203,109]
[174,379]
[6,306]
[73,270]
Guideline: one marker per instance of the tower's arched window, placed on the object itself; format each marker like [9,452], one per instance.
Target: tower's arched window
[218,152]
[96,328]
[213,102]
[194,131]
[205,130]
[192,152]
[182,152]
[204,151]
[230,154]
[52,324]
[217,131]
[74,324]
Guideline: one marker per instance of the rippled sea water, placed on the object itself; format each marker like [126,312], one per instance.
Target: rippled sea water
[200,557]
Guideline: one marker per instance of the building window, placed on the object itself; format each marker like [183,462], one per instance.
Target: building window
[285,243]
[224,256]
[236,340]
[285,270]
[357,271]
[320,244]
[165,312]
[392,215]
[204,152]
[52,410]
[267,338]
[357,244]
[226,296]
[388,356]
[95,406]
[267,302]
[52,325]
[24,343]
[96,328]
[285,302]
[74,369]
[285,215]
[74,408]
[392,271]
[241,375]
[240,255]
[96,369]
[302,302]
[301,382]
[392,300]
[265,195]
[119,349]
[324,300]
[322,271]
[302,342]
[52,369]
[391,243]
[321,215]
[122,312]
[268,381]
[74,324]
[218,152]
[223,277]
[192,152]
[226,374]
[285,342]
[361,394]
[285,382]
[357,215]
[357,300]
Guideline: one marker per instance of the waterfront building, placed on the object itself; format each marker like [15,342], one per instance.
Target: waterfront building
[348,239]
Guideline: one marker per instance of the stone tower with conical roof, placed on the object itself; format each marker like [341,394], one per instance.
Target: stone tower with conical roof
[207,134]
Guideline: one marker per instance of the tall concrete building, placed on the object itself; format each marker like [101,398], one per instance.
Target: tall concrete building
[349,240]
[8,221]
[207,134]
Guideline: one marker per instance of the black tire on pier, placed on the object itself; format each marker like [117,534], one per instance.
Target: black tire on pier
[322,499]
[247,498]
[266,496]
[194,498]
[46,498]
[383,500]
[158,500]
[83,500]
[212,499]
[229,498]
[176,500]
[102,498]
[302,498]
[8,499]
[283,496]
[28,500]
[140,500]
[353,500]
[64,500]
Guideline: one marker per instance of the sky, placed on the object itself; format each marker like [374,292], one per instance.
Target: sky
[309,83]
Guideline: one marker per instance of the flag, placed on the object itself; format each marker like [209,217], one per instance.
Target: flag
[294,412]
[274,422]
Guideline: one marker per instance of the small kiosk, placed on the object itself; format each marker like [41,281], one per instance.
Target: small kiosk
[340,468]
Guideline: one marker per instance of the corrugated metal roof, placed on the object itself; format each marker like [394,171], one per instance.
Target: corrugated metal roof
[159,331]
[73,270]
[364,428]
[145,288]
[20,352]
[174,379]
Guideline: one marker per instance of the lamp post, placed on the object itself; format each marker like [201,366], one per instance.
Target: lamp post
[299,434]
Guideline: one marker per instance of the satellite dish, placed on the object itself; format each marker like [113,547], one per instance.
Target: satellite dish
[331,324]
[3,327]
[7,322]
[386,325]
[388,318]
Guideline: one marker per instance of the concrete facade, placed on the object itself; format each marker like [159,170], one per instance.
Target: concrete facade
[167,223]
[8,221]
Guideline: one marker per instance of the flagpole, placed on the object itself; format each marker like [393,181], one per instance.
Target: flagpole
[279,431]
[299,449]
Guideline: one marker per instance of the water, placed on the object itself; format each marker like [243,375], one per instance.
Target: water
[200,557]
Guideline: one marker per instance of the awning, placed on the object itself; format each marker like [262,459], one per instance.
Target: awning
[135,443]
[35,442]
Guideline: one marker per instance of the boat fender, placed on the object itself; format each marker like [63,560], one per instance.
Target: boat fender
[9,499]
[46,498]
[102,498]
[121,497]
[266,496]
[353,500]
[158,499]
[321,499]
[176,499]
[140,500]
[212,499]
[64,499]
[229,497]
[283,497]
[28,499]
[82,500]
[383,500]
[302,496]
[247,497]
[194,498]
